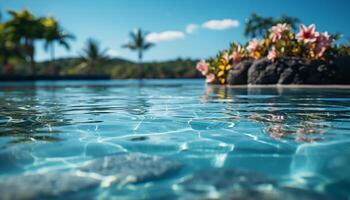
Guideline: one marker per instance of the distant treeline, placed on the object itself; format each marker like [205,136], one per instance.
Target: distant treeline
[120,69]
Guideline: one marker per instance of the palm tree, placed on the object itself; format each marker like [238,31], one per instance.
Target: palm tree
[139,43]
[8,47]
[53,33]
[4,50]
[93,55]
[24,29]
[292,21]
[257,26]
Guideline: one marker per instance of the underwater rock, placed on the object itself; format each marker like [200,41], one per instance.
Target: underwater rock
[206,181]
[239,185]
[132,167]
[39,186]
[139,138]
[326,160]
[339,189]
[275,193]
[14,160]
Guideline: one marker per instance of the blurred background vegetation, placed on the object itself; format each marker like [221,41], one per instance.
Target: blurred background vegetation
[19,34]
[123,69]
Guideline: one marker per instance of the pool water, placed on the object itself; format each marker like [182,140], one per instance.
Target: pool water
[173,139]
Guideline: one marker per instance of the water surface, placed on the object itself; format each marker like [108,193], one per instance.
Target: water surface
[297,137]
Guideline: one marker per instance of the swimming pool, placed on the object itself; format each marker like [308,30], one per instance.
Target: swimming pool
[173,139]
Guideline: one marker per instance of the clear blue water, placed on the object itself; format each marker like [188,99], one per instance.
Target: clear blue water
[297,137]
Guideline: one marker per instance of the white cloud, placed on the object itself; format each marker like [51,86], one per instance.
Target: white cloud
[113,53]
[220,24]
[164,36]
[191,28]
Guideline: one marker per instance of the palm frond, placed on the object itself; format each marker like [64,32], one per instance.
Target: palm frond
[138,42]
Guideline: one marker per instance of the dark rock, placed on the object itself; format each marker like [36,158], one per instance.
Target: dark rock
[140,138]
[281,71]
[262,72]
[310,74]
[342,65]
[132,167]
[239,74]
[39,186]
[291,70]
[287,76]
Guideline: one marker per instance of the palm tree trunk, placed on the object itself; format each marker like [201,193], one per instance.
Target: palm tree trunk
[52,63]
[52,52]
[29,48]
[32,61]
[5,58]
[5,62]
[141,76]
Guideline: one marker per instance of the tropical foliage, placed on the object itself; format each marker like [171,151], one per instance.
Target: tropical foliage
[139,44]
[280,41]
[93,56]
[19,34]
[124,69]
[258,26]
[19,40]
[54,34]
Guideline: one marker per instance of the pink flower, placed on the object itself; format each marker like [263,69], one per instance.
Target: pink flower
[226,56]
[253,45]
[203,67]
[236,55]
[276,32]
[307,34]
[273,54]
[323,41]
[210,78]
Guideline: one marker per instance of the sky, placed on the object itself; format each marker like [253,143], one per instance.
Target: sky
[179,28]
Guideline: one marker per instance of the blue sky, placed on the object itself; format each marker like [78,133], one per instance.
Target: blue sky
[110,22]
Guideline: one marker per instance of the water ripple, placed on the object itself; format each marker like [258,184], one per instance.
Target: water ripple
[300,137]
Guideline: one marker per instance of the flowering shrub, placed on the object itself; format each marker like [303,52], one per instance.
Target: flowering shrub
[307,44]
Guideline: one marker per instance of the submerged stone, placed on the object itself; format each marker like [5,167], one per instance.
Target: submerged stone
[132,167]
[327,160]
[140,138]
[239,185]
[275,193]
[13,161]
[222,179]
[39,186]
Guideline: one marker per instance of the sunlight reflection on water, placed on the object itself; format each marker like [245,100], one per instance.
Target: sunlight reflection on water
[298,137]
